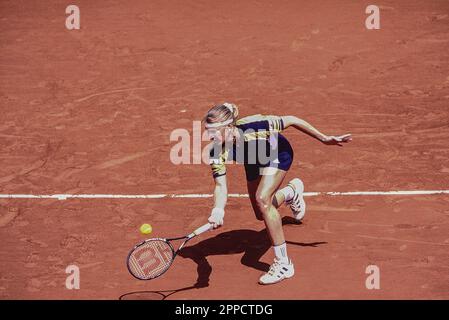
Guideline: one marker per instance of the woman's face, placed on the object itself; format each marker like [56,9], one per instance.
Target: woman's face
[220,134]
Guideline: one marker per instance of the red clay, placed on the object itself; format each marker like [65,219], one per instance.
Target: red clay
[90,111]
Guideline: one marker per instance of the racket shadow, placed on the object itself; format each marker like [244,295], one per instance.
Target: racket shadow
[253,244]
[152,295]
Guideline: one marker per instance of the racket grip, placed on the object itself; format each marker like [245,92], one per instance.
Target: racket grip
[200,230]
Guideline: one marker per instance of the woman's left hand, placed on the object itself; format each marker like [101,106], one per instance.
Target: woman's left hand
[337,140]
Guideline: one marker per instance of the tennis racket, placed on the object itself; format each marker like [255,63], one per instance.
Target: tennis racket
[153,257]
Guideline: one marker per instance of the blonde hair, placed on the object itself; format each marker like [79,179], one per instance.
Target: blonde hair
[221,113]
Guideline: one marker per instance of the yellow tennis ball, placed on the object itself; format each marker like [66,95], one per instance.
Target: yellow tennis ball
[146,228]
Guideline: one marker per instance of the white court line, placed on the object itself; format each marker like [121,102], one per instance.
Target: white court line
[199,195]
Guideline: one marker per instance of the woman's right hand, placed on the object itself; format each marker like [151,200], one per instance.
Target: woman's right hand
[216,217]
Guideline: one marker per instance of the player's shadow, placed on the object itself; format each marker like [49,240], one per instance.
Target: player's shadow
[253,244]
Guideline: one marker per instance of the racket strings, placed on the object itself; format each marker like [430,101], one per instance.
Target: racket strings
[151,259]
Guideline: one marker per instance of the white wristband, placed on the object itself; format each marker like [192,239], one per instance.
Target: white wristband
[218,211]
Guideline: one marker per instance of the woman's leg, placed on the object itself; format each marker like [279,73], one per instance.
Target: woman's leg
[264,197]
[292,193]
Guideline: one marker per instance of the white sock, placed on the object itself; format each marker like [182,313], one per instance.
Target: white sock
[280,252]
[288,193]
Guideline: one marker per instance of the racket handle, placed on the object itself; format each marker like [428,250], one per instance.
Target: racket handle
[200,230]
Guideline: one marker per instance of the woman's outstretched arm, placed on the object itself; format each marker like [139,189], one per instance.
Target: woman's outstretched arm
[307,128]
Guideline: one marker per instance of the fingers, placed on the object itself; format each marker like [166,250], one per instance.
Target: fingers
[215,225]
[344,138]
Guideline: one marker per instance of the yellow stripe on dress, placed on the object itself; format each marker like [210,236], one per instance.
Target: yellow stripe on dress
[255,135]
[218,165]
[249,119]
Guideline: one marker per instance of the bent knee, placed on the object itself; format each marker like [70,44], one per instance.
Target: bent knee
[263,201]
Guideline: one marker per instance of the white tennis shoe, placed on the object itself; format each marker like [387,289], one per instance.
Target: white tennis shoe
[297,203]
[278,272]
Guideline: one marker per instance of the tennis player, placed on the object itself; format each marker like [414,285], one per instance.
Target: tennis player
[267,155]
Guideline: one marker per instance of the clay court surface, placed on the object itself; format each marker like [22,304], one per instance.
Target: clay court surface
[90,111]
